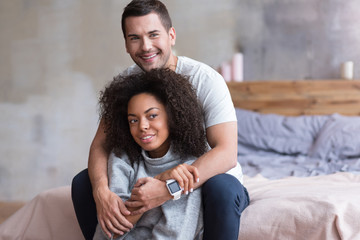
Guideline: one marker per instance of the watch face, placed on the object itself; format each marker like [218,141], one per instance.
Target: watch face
[174,187]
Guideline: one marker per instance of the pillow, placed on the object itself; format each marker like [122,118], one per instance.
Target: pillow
[276,133]
[338,139]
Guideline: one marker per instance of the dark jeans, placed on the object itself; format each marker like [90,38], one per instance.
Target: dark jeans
[224,198]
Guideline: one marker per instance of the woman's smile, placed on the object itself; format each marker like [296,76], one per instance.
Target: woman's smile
[148,124]
[147,138]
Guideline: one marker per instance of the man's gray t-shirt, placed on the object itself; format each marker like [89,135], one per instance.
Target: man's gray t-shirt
[211,90]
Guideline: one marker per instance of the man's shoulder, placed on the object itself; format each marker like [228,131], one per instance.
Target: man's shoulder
[187,64]
[133,69]
[197,71]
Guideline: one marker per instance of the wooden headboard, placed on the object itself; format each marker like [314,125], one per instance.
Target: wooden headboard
[303,97]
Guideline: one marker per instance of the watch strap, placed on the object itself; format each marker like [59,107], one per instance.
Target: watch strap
[177,195]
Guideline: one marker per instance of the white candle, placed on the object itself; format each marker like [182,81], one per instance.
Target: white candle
[347,70]
[226,71]
[237,67]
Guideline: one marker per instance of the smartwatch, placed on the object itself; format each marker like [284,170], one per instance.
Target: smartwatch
[174,188]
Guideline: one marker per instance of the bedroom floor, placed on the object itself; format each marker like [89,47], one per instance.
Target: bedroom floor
[8,208]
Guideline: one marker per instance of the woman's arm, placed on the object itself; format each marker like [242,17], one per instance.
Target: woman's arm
[222,157]
[147,194]
[186,175]
[143,185]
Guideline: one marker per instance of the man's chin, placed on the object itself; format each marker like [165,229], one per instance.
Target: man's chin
[148,68]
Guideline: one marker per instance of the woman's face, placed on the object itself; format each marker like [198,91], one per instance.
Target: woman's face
[148,123]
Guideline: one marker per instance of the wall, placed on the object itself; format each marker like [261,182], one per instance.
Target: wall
[298,39]
[57,54]
[55,57]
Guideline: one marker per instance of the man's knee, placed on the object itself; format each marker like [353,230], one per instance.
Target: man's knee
[80,177]
[225,190]
[221,185]
[80,185]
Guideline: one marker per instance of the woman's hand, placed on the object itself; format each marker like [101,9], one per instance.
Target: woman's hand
[147,194]
[111,212]
[186,175]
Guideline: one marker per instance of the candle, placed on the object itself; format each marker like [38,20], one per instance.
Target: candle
[226,71]
[237,67]
[347,70]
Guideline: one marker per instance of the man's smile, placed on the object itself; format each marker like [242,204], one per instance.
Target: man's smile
[147,57]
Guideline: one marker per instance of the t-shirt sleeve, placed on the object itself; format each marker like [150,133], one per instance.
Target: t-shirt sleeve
[121,176]
[215,98]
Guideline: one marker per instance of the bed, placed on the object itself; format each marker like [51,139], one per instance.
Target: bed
[299,146]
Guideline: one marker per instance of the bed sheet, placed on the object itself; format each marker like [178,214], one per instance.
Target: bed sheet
[50,215]
[320,207]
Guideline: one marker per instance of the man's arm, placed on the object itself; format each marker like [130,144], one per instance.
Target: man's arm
[110,208]
[222,138]
[97,162]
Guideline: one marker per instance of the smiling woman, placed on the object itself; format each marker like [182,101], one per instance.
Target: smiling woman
[171,93]
[154,124]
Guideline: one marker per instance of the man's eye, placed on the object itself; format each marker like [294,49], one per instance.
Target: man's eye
[154,35]
[134,38]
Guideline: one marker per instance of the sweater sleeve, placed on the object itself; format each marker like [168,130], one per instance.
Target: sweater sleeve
[121,176]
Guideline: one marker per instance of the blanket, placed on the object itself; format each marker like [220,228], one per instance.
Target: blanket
[50,215]
[321,207]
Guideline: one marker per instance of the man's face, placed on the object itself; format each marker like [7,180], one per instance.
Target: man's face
[148,43]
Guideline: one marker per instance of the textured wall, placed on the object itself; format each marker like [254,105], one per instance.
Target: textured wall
[298,39]
[55,56]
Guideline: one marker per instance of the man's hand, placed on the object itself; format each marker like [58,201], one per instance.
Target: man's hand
[148,193]
[186,175]
[111,212]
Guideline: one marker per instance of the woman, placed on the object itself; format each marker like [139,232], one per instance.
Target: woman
[154,123]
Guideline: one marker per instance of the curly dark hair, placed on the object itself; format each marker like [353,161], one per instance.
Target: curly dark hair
[185,118]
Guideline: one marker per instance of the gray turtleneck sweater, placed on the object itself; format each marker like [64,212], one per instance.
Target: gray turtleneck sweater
[180,219]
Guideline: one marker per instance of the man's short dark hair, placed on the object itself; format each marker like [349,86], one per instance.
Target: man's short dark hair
[137,8]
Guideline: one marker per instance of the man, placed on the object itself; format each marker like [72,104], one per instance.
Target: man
[149,37]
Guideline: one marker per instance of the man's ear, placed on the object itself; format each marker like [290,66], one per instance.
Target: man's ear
[126,47]
[172,35]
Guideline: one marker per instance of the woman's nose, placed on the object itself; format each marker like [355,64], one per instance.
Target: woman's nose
[144,124]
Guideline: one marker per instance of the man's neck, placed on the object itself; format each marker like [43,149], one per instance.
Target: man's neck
[173,63]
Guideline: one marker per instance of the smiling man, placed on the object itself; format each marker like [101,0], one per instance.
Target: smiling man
[149,38]
[148,43]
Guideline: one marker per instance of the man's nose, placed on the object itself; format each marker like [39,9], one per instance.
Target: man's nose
[146,44]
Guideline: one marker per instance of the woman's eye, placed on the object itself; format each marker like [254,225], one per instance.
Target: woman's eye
[131,121]
[153,115]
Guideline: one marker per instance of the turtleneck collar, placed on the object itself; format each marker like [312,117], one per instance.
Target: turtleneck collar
[168,157]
